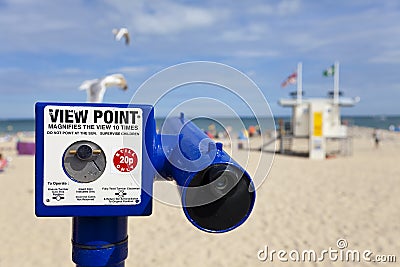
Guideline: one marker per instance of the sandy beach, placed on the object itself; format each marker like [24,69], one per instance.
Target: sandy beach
[303,205]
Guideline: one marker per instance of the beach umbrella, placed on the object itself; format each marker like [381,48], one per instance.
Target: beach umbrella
[97,87]
[121,33]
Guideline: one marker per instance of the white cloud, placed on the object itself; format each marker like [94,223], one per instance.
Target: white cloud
[9,70]
[166,17]
[171,22]
[32,26]
[252,32]
[131,69]
[255,54]
[288,7]
[281,8]
[387,56]
[71,71]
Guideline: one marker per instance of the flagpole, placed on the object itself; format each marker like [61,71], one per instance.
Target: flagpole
[336,83]
[299,82]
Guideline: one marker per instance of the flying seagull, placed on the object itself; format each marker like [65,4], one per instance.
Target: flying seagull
[122,32]
[96,88]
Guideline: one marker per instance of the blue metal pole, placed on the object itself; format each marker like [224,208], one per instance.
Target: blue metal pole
[100,241]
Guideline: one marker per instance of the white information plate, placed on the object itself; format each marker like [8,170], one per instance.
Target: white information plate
[105,128]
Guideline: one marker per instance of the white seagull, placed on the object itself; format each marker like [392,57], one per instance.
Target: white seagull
[96,88]
[122,32]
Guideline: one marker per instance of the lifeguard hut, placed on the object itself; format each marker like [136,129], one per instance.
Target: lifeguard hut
[317,119]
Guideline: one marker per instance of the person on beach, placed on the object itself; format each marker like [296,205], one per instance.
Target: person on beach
[376,137]
[212,130]
[3,163]
[251,131]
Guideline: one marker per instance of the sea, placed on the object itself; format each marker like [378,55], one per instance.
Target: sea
[12,126]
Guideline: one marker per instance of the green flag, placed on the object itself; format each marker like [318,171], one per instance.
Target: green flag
[329,71]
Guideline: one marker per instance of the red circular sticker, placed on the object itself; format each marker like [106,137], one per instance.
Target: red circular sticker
[125,160]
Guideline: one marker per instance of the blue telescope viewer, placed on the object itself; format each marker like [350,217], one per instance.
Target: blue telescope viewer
[97,163]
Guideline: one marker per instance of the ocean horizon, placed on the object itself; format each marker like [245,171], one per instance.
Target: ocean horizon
[11,126]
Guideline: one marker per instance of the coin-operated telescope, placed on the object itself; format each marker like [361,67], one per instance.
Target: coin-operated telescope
[217,193]
[97,164]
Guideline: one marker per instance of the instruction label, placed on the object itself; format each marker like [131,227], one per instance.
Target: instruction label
[92,155]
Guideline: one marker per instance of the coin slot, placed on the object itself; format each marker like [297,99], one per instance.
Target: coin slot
[84,161]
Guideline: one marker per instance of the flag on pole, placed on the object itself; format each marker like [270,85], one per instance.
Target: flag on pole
[292,79]
[329,71]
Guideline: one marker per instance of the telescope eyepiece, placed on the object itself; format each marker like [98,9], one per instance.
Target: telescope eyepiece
[222,183]
[221,179]
[223,201]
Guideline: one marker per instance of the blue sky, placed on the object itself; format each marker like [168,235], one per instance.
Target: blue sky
[48,48]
